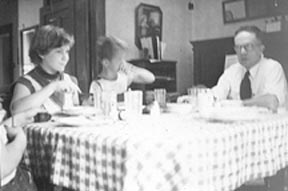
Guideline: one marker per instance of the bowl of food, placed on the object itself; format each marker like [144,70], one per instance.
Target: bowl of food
[42,117]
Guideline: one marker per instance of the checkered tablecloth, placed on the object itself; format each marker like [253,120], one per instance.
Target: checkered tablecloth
[170,153]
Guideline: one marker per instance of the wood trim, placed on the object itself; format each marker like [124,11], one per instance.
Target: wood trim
[8,68]
[97,23]
[81,28]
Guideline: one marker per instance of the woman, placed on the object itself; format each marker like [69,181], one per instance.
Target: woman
[13,177]
[47,85]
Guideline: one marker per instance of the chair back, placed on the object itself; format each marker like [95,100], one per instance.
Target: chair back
[230,59]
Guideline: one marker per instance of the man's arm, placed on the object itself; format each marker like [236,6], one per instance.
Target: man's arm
[11,153]
[222,89]
[274,92]
[269,101]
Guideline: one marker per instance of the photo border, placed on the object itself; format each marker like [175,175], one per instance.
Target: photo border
[147,10]
[26,35]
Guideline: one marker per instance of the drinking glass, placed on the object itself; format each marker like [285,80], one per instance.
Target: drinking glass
[205,101]
[193,96]
[133,102]
[108,104]
[97,96]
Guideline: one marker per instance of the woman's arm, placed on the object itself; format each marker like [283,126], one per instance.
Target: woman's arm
[23,99]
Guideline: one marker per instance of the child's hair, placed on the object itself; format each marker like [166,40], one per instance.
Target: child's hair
[108,47]
[45,39]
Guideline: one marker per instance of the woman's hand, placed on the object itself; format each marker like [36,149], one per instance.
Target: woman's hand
[66,86]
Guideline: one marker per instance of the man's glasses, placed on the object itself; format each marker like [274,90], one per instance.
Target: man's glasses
[247,47]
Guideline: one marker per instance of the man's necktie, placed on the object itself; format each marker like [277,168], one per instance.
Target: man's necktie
[245,87]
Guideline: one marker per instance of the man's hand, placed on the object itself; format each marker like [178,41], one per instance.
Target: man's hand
[15,123]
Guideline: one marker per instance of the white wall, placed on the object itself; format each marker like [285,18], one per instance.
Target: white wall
[29,13]
[120,22]
[207,21]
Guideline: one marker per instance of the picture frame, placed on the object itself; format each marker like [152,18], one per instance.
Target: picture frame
[26,37]
[148,22]
[234,11]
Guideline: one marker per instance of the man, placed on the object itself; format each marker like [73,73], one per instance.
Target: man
[256,80]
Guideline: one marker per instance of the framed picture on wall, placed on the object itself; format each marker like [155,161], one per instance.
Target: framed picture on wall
[234,10]
[26,37]
[148,23]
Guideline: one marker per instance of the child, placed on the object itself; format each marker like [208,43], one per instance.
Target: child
[117,74]
[45,85]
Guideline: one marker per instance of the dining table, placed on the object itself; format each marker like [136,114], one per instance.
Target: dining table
[177,150]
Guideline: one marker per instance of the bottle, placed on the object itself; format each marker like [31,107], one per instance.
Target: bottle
[155,109]
[67,96]
[68,100]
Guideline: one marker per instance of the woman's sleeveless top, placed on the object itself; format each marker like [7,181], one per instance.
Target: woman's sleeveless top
[37,79]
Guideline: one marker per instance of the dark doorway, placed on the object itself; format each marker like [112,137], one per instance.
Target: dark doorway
[6,58]
[6,65]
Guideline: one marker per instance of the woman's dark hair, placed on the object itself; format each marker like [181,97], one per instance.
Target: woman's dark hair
[108,47]
[45,39]
[252,29]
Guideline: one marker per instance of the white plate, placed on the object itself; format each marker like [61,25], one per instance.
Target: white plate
[230,103]
[83,121]
[235,113]
[77,111]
